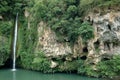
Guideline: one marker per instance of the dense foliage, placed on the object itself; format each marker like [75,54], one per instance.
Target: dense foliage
[110,67]
[4,50]
[105,68]
[64,17]
[90,5]
[11,7]
[5,30]
[59,15]
[8,10]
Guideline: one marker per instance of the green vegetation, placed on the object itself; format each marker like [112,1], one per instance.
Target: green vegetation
[86,31]
[41,63]
[36,61]
[5,30]
[68,66]
[4,50]
[109,68]
[105,68]
[59,15]
[10,8]
[64,17]
[25,60]
[90,5]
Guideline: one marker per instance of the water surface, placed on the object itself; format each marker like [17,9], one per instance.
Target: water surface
[6,74]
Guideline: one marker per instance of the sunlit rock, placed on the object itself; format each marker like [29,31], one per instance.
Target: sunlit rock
[53,64]
[107,35]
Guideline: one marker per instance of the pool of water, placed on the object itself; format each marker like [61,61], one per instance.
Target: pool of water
[6,74]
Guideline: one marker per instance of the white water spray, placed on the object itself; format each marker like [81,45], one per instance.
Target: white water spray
[14,43]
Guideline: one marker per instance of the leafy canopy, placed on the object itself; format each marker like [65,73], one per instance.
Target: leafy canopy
[63,17]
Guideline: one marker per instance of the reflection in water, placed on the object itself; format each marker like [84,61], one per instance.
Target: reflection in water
[32,75]
[14,75]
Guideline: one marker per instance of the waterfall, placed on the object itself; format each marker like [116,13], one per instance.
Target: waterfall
[14,43]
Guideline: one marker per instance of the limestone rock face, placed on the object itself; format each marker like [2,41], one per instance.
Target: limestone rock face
[48,43]
[105,43]
[1,17]
[107,35]
[53,64]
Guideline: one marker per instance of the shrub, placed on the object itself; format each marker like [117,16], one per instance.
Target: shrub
[88,5]
[86,31]
[63,17]
[26,60]
[4,50]
[41,63]
[5,28]
[86,69]
[10,8]
[72,11]
[69,66]
[110,67]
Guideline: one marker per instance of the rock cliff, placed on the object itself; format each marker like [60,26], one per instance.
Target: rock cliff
[107,35]
[102,46]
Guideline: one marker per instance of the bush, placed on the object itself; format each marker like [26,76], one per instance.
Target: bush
[86,69]
[4,50]
[89,5]
[26,60]
[5,28]
[41,63]
[59,17]
[36,61]
[4,54]
[10,8]
[68,66]
[81,69]
[72,10]
[86,31]
[63,17]
[110,67]
[57,11]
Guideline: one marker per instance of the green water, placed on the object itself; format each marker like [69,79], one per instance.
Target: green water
[32,75]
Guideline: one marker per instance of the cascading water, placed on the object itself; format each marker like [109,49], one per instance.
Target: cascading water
[14,43]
